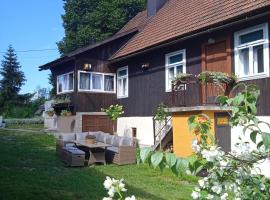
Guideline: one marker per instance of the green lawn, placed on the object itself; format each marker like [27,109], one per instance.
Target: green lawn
[29,169]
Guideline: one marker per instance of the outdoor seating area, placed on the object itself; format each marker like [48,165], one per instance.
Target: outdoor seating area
[76,148]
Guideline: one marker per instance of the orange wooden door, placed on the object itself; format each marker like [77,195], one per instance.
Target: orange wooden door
[216,56]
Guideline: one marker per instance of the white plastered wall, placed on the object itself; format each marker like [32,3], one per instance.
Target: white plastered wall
[238,131]
[144,126]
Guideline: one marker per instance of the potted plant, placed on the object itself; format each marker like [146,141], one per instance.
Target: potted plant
[90,139]
[66,113]
[114,112]
[50,112]
[216,77]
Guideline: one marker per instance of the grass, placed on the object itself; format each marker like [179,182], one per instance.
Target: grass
[29,169]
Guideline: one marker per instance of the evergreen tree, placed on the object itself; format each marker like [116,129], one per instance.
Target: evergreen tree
[12,79]
[89,21]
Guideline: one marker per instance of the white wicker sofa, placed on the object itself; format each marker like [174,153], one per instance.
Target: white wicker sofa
[122,151]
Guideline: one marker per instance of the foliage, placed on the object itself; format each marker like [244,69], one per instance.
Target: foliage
[161,113]
[64,99]
[52,82]
[236,175]
[24,121]
[12,79]
[114,111]
[216,77]
[115,188]
[50,112]
[162,160]
[89,21]
[65,113]
[181,78]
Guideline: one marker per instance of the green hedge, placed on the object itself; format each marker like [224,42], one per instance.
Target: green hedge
[24,121]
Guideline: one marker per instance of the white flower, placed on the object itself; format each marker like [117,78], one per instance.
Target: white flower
[108,183]
[130,198]
[201,183]
[107,198]
[111,192]
[224,196]
[216,189]
[210,196]
[122,186]
[213,154]
[223,164]
[195,195]
[195,147]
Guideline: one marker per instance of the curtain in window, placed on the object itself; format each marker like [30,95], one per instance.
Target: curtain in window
[108,83]
[85,81]
[97,81]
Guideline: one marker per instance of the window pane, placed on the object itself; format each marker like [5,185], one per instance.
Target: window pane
[60,84]
[122,72]
[119,87]
[70,84]
[244,60]
[175,58]
[124,87]
[64,83]
[109,83]
[251,37]
[179,69]
[258,59]
[97,81]
[85,81]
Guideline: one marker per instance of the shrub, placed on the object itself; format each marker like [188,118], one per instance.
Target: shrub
[24,121]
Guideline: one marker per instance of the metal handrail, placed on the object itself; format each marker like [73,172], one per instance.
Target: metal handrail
[159,132]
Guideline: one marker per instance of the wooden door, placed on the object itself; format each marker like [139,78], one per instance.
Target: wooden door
[97,123]
[223,131]
[216,56]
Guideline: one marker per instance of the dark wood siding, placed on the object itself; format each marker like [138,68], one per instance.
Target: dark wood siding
[147,88]
[97,123]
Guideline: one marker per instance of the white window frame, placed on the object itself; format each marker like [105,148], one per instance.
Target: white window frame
[57,85]
[168,86]
[265,42]
[102,84]
[122,77]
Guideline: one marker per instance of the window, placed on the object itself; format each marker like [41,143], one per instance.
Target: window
[65,83]
[96,82]
[175,63]
[122,82]
[252,52]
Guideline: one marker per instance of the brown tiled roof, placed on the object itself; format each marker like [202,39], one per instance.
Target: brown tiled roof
[136,22]
[180,17]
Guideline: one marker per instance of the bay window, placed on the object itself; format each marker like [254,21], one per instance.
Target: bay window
[122,82]
[175,63]
[65,83]
[96,82]
[252,52]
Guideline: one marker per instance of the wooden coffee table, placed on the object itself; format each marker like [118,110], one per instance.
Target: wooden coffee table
[97,151]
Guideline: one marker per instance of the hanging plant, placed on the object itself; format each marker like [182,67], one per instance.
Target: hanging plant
[216,77]
[182,78]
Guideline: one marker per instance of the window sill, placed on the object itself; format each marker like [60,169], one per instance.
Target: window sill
[122,97]
[253,77]
[93,91]
[59,93]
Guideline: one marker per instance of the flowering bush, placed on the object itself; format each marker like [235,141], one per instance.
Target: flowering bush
[115,189]
[114,112]
[235,175]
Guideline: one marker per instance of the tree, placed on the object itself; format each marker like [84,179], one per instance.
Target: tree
[52,82]
[89,21]
[12,78]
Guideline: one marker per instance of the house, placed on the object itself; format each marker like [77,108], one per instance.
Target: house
[188,37]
